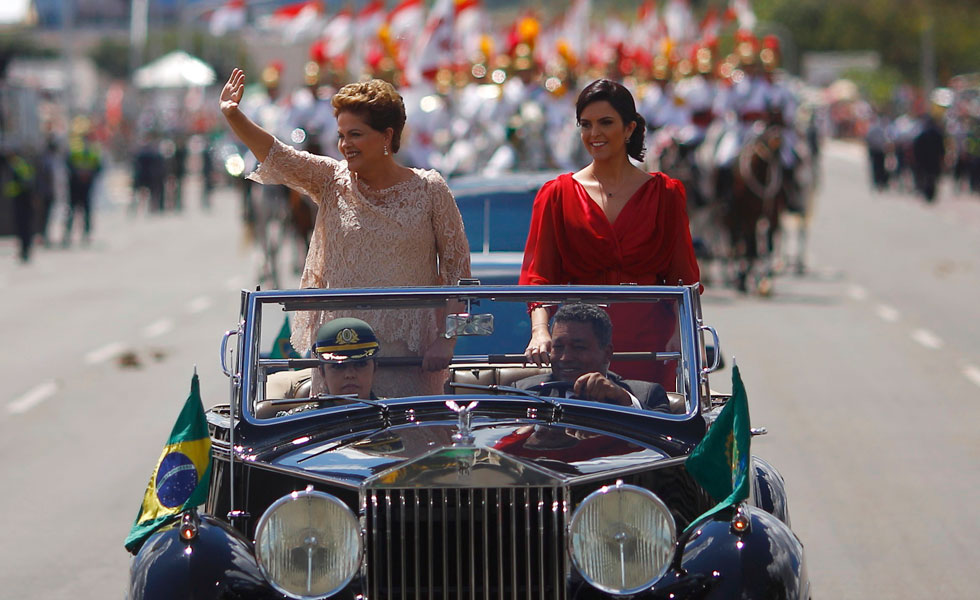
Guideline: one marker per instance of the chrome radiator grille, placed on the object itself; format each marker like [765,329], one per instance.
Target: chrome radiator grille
[471,544]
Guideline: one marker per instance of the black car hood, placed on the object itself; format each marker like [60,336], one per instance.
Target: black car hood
[416,454]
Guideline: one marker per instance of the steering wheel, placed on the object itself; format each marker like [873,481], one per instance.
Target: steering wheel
[561,387]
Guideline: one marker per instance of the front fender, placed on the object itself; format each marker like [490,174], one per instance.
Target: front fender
[218,563]
[767,561]
[769,490]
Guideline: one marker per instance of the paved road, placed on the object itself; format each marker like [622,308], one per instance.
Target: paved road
[866,372]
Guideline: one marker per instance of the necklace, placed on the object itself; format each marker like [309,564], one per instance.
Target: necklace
[603,194]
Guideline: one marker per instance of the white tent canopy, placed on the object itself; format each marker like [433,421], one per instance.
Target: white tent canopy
[177,69]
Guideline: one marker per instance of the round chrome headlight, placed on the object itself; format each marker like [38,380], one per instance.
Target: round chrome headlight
[308,544]
[622,538]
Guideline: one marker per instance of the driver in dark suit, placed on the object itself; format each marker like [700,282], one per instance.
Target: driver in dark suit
[580,353]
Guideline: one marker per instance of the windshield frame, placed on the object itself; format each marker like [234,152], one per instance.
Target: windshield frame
[686,297]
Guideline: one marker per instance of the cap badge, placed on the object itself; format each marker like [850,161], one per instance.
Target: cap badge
[347,336]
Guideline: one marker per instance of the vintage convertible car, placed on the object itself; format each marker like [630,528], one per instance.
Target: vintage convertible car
[486,491]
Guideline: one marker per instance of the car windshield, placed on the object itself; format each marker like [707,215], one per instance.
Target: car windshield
[645,341]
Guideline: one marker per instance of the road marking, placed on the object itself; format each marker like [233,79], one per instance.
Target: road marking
[857,292]
[972,373]
[199,304]
[104,353]
[888,313]
[158,328]
[927,339]
[32,398]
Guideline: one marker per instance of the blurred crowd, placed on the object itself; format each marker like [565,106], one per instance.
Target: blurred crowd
[910,152]
[501,99]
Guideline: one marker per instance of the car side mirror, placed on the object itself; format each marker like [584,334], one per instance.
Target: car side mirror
[464,324]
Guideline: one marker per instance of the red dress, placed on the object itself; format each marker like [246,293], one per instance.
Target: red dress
[572,242]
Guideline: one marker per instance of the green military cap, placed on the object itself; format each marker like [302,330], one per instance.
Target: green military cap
[345,339]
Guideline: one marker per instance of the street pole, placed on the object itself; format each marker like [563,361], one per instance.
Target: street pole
[68,51]
[928,52]
[139,14]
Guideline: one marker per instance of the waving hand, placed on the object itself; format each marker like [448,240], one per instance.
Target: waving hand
[231,94]
[258,140]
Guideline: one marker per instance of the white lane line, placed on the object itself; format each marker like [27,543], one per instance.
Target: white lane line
[927,339]
[104,353]
[888,313]
[32,398]
[158,328]
[199,304]
[857,292]
[972,373]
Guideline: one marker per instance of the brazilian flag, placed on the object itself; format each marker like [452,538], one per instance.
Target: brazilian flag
[182,475]
[720,463]
[282,348]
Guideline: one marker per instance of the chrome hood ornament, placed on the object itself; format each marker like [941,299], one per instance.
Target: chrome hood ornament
[464,435]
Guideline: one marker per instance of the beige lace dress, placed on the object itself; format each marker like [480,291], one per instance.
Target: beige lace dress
[410,234]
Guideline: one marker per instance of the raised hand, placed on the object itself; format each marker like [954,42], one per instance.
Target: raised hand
[231,94]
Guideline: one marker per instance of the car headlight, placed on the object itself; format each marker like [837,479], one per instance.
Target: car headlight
[308,544]
[622,538]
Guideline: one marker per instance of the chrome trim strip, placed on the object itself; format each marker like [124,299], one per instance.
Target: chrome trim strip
[472,553]
[527,536]
[418,571]
[557,512]
[513,539]
[486,540]
[541,542]
[445,544]
[388,537]
[373,569]
[401,538]
[457,510]
[500,541]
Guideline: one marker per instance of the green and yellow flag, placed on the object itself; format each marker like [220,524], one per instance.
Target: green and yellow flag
[182,475]
[282,348]
[720,463]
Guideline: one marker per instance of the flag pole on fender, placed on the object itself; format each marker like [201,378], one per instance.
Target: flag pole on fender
[182,474]
[720,462]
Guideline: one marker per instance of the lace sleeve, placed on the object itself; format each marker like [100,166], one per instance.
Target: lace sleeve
[451,242]
[306,173]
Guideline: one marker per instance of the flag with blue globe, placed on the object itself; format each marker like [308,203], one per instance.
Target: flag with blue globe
[181,477]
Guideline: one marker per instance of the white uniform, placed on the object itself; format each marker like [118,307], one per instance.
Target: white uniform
[746,102]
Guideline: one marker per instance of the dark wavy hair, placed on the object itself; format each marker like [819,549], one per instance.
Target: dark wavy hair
[621,100]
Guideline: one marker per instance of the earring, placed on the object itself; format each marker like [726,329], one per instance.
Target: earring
[386,149]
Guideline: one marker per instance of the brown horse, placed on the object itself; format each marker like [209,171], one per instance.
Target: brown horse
[757,199]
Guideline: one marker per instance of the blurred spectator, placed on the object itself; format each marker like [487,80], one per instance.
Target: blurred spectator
[178,171]
[149,170]
[207,175]
[84,163]
[48,166]
[928,150]
[17,178]
[877,141]
[973,153]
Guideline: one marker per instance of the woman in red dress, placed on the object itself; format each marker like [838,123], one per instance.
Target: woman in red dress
[611,223]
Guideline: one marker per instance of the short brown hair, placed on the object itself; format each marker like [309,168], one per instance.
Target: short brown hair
[377,102]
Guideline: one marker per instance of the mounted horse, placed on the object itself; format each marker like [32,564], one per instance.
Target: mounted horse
[756,201]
